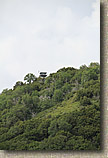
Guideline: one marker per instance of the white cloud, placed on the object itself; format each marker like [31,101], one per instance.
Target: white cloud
[46,36]
[94,19]
[6,48]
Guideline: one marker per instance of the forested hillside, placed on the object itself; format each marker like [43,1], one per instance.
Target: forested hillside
[60,112]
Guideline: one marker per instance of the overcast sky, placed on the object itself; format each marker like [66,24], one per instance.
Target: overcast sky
[46,35]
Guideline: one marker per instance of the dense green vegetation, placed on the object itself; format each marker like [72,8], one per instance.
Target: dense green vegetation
[60,112]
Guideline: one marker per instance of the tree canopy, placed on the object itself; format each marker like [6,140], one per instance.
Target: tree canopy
[63,113]
[30,78]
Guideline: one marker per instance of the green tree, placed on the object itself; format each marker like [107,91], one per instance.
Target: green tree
[19,83]
[29,78]
[58,95]
[35,106]
[84,101]
[57,143]
[53,129]
[63,113]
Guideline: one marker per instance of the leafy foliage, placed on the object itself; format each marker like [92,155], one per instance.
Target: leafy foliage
[61,113]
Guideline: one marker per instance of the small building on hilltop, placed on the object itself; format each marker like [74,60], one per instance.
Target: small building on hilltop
[43,74]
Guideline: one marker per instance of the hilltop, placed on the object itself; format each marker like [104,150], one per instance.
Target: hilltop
[61,112]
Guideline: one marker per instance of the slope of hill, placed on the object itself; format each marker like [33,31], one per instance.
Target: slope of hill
[61,112]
